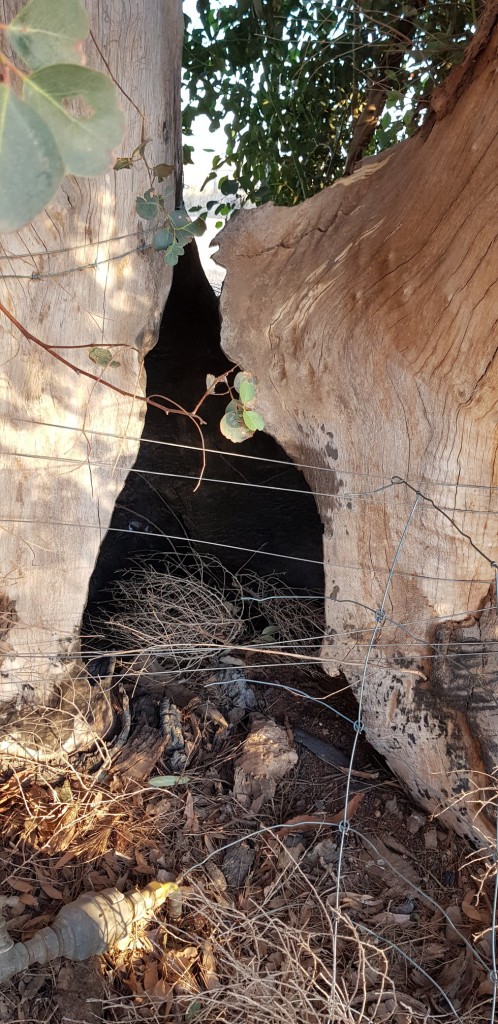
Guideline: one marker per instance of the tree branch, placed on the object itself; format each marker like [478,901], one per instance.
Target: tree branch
[368,119]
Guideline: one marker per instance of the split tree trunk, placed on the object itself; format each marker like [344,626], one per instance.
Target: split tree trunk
[369,316]
[78,276]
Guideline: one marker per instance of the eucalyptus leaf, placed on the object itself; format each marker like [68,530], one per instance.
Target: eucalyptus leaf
[102,356]
[269,630]
[241,376]
[193,1010]
[49,32]
[198,227]
[163,171]
[166,781]
[147,206]
[232,425]
[253,420]
[180,219]
[31,166]
[171,257]
[86,138]
[162,239]
[247,391]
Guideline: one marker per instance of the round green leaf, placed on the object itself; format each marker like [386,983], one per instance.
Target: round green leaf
[86,141]
[180,219]
[253,420]
[235,434]
[241,376]
[228,187]
[232,425]
[102,356]
[198,227]
[31,167]
[162,240]
[247,391]
[171,257]
[147,206]
[49,32]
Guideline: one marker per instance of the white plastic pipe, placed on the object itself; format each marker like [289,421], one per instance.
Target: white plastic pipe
[91,924]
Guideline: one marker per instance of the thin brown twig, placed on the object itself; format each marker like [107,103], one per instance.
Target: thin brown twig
[147,399]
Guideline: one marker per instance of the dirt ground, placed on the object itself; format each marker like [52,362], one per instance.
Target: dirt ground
[237,787]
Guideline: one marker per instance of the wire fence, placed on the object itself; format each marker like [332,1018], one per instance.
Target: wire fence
[366,640]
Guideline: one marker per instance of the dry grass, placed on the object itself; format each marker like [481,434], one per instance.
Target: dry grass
[186,613]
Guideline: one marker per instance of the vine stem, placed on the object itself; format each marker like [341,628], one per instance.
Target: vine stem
[9,66]
[177,409]
[222,379]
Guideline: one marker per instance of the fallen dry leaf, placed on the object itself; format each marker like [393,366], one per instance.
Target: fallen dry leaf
[486,988]
[151,976]
[50,890]
[383,859]
[163,993]
[456,976]
[133,984]
[142,864]
[208,966]
[191,820]
[28,899]
[20,884]
[304,822]
[470,910]
[66,857]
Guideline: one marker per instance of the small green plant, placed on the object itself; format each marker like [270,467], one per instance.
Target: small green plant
[177,228]
[241,419]
[43,135]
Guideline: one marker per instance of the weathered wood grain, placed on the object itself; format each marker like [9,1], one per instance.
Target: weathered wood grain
[368,314]
[68,279]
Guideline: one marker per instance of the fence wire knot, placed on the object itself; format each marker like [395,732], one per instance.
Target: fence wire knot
[380,616]
[493,977]
[359,725]
[344,826]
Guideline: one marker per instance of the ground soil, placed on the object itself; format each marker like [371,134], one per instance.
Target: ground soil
[414,913]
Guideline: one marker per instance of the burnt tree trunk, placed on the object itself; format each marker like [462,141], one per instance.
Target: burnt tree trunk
[369,316]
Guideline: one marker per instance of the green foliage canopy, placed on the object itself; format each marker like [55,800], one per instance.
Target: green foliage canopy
[292,76]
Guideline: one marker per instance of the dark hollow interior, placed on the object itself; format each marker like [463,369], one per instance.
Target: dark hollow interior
[157,513]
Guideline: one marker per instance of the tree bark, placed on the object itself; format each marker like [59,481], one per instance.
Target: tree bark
[368,315]
[81,274]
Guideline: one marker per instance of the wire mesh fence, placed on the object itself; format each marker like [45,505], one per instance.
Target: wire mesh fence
[145,635]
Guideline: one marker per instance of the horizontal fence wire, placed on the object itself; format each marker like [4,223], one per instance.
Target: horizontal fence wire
[244,550]
[457,485]
[42,275]
[305,493]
